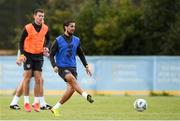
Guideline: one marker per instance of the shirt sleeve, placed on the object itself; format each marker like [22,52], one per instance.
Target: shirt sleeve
[53,50]
[21,43]
[81,55]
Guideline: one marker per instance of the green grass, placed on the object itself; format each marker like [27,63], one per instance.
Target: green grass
[104,108]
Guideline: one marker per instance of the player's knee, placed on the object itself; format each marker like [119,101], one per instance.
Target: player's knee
[71,89]
[72,80]
[38,81]
[26,80]
[42,81]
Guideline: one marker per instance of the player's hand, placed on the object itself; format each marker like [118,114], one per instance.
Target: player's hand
[21,60]
[55,69]
[46,51]
[18,62]
[88,71]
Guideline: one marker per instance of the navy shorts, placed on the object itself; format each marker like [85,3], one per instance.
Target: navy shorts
[63,71]
[34,62]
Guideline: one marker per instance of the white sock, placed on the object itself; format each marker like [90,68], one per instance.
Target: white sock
[84,94]
[42,101]
[36,100]
[26,99]
[15,100]
[58,105]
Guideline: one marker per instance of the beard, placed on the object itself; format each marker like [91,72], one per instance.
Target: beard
[70,33]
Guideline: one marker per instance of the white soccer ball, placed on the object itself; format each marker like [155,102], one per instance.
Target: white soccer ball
[140,105]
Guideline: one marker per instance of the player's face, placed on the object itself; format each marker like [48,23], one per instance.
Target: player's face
[39,18]
[70,28]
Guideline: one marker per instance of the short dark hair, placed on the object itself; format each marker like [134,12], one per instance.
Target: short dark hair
[67,22]
[38,10]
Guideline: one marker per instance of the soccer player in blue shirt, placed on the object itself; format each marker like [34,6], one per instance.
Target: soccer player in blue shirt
[63,59]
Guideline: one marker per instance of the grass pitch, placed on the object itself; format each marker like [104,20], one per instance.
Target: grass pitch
[104,108]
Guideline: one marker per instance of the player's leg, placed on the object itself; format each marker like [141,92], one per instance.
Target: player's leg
[38,79]
[26,81]
[19,89]
[41,92]
[43,104]
[67,94]
[73,82]
[37,68]
[18,92]
[70,76]
[28,66]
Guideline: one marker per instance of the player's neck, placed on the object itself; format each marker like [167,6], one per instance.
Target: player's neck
[37,23]
[67,34]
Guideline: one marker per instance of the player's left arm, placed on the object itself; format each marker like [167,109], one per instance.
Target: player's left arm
[47,44]
[81,55]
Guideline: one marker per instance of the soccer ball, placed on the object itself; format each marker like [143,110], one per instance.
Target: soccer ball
[140,105]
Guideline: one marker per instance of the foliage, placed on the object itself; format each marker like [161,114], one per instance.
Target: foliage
[14,15]
[163,93]
[160,17]
[59,11]
[105,27]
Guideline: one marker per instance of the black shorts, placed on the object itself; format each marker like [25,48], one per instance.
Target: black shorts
[63,71]
[34,62]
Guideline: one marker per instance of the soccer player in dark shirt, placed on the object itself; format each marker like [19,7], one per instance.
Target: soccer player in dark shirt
[63,59]
[19,90]
[33,44]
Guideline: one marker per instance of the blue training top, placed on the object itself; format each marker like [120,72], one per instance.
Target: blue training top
[66,54]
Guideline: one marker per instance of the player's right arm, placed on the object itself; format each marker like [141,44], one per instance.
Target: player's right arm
[20,58]
[21,45]
[53,50]
[18,62]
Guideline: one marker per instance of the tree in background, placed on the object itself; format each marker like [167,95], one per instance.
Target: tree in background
[14,15]
[106,27]
[57,11]
[109,27]
[160,16]
[172,43]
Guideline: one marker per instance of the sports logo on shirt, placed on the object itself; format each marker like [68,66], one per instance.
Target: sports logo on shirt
[69,50]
